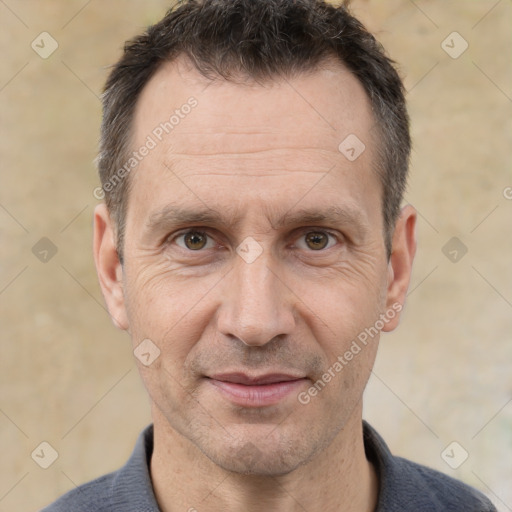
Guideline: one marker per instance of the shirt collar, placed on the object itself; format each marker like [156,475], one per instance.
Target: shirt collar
[132,490]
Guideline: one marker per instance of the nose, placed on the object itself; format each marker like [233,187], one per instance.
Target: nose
[257,304]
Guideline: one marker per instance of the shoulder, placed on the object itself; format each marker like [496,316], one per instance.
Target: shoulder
[426,487]
[128,489]
[406,485]
[93,496]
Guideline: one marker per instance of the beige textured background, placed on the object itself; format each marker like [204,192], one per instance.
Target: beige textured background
[67,376]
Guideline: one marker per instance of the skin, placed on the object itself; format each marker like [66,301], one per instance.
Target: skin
[252,153]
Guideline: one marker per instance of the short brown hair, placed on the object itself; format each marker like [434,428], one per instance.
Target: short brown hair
[260,40]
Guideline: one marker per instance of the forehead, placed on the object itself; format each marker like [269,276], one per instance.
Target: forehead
[325,105]
[219,133]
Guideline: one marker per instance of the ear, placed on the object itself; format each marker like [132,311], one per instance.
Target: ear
[108,266]
[400,263]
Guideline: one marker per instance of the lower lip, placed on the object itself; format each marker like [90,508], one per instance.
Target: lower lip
[257,396]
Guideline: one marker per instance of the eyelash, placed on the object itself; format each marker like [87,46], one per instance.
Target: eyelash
[204,233]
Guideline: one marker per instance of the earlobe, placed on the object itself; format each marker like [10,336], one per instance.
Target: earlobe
[108,266]
[400,263]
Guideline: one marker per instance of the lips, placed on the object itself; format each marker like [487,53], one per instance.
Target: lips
[256,390]
[242,378]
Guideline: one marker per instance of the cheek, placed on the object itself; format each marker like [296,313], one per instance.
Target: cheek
[160,302]
[341,307]
[168,379]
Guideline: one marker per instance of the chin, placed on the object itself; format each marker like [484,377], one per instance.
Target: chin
[273,454]
[251,461]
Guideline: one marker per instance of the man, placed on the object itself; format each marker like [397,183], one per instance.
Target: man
[253,158]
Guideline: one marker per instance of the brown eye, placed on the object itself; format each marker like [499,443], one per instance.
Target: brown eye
[195,240]
[317,240]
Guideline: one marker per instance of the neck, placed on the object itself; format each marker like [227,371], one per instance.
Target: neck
[339,478]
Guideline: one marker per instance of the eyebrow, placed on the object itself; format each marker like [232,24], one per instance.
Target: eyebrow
[334,215]
[172,215]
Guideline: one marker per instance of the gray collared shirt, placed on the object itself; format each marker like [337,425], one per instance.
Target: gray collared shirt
[403,485]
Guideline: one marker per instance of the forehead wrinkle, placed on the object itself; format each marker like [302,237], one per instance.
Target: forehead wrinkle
[261,151]
[243,164]
[181,168]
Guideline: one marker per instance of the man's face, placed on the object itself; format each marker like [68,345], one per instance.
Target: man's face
[254,257]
